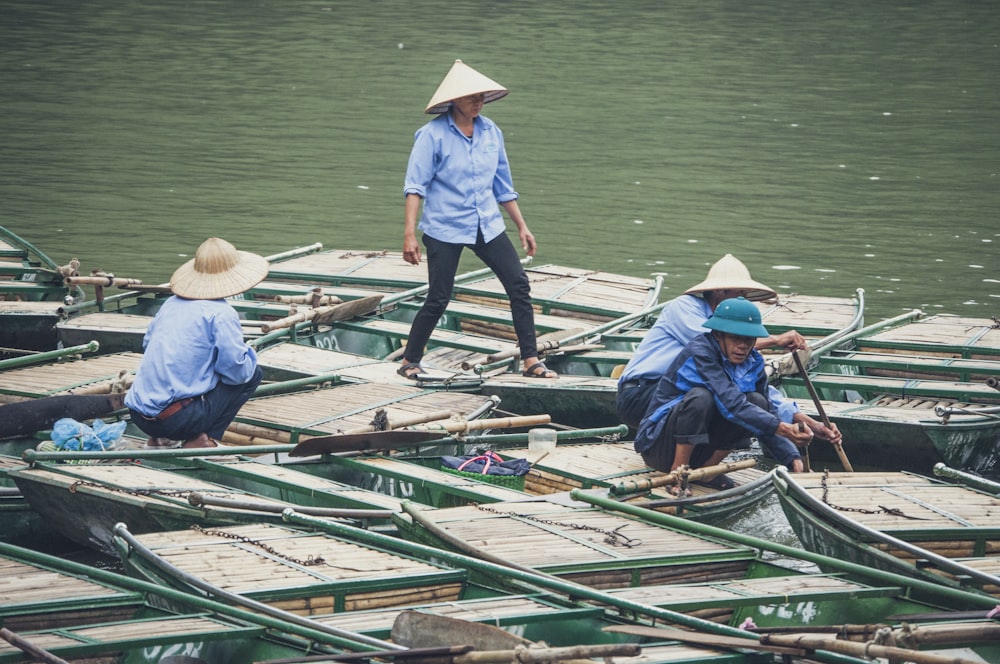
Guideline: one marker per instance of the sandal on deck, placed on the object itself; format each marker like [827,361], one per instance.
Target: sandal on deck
[720,482]
[539,370]
[410,370]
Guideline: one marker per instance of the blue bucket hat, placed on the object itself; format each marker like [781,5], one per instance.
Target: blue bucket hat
[737,316]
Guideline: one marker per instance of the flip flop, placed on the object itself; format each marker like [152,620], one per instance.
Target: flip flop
[719,482]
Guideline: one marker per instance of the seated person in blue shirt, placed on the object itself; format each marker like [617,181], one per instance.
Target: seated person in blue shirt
[196,370]
[458,169]
[714,397]
[679,322]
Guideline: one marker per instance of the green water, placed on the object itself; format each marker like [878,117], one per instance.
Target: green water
[831,146]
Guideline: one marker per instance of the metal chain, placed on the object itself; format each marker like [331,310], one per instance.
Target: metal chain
[310,561]
[174,493]
[894,511]
[612,537]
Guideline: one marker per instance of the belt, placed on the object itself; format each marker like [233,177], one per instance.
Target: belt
[174,407]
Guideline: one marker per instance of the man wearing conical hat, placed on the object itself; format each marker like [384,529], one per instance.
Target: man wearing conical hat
[714,397]
[457,180]
[679,322]
[197,371]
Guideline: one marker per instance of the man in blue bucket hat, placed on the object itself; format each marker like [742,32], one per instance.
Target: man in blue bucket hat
[713,398]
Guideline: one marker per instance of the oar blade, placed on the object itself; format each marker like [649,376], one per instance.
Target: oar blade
[362,442]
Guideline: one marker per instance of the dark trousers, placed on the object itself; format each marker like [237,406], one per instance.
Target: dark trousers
[442,263]
[633,400]
[210,413]
[697,421]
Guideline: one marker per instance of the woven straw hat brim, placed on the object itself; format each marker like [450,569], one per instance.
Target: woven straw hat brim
[460,81]
[728,273]
[217,273]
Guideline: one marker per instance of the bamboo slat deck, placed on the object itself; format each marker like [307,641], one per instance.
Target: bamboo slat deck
[942,336]
[159,631]
[350,577]
[590,465]
[91,375]
[344,266]
[407,478]
[289,480]
[717,601]
[289,360]
[555,284]
[350,406]
[572,542]
[915,387]
[494,610]
[34,597]
[903,365]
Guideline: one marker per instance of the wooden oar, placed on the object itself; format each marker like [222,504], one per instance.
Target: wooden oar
[822,413]
[26,646]
[703,639]
[387,440]
[866,650]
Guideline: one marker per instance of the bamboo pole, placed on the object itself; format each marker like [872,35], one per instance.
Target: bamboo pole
[26,646]
[867,650]
[822,413]
[673,477]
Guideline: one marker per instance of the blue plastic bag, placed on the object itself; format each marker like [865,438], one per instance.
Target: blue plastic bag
[68,434]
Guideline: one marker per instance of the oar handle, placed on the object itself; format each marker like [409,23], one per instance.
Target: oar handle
[844,461]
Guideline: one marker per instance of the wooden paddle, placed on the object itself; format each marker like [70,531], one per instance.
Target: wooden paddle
[336,312]
[362,442]
[822,413]
[387,440]
[696,475]
[703,639]
[29,648]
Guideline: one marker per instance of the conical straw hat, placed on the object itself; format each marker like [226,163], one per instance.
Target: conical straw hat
[218,270]
[463,80]
[729,273]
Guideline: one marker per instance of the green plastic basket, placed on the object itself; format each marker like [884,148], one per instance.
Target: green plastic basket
[509,481]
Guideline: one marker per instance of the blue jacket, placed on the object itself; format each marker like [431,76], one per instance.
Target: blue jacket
[702,363]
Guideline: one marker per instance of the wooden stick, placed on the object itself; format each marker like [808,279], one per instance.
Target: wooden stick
[708,472]
[822,413]
[26,646]
[866,650]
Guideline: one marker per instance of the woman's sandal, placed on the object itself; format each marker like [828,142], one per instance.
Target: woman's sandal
[539,370]
[410,370]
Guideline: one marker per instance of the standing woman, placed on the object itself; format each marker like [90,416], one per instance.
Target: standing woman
[458,169]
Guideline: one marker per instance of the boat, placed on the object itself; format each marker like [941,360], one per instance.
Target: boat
[907,523]
[351,576]
[57,610]
[910,393]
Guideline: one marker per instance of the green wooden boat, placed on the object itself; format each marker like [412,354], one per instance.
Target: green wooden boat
[902,522]
[55,610]
[909,394]
[542,610]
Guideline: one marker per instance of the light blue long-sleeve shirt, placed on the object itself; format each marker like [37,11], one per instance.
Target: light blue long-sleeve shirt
[461,179]
[680,321]
[189,347]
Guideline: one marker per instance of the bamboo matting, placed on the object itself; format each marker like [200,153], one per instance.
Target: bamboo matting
[938,335]
[351,406]
[305,360]
[572,542]
[490,611]
[108,322]
[352,265]
[26,584]
[81,376]
[276,475]
[922,504]
[166,629]
[415,473]
[350,573]
[808,312]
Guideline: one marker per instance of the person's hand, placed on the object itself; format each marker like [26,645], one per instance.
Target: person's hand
[790,340]
[411,249]
[528,241]
[831,433]
[801,436]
